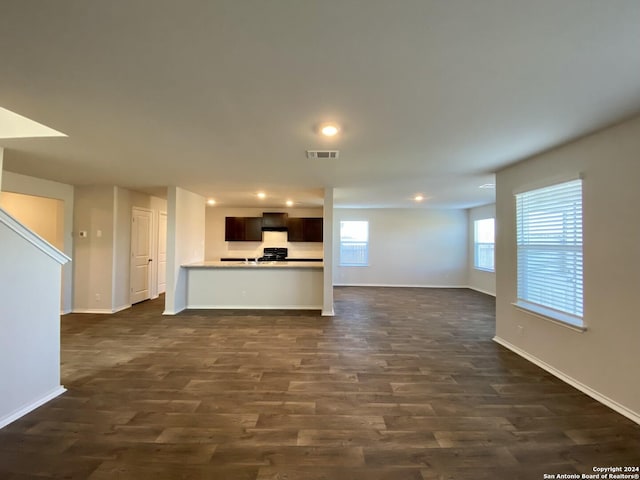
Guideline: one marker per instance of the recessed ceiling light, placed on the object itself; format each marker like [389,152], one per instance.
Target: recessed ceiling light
[262,195]
[329,129]
[289,203]
[488,185]
[418,198]
[211,201]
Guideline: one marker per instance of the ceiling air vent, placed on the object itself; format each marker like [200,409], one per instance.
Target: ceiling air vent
[322,153]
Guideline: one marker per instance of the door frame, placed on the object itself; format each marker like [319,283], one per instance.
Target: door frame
[157,254]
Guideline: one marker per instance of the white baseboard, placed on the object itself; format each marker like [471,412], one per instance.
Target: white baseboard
[12,417]
[65,312]
[412,286]
[255,307]
[481,291]
[328,313]
[172,312]
[621,409]
[108,311]
[395,285]
[93,310]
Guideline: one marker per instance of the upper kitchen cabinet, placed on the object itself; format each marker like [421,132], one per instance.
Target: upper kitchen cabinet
[243,229]
[304,230]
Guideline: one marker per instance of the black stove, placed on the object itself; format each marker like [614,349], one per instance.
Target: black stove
[274,254]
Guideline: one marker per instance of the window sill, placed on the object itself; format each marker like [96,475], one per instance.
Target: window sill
[489,270]
[552,316]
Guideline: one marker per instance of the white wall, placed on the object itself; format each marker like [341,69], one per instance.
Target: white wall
[408,247]
[602,361]
[29,326]
[1,163]
[185,243]
[13,182]
[45,216]
[103,262]
[327,238]
[93,254]
[290,288]
[480,280]
[121,297]
[216,247]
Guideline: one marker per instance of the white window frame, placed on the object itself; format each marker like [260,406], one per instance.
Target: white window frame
[359,246]
[478,246]
[550,252]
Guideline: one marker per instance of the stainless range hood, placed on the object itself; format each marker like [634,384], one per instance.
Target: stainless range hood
[274,222]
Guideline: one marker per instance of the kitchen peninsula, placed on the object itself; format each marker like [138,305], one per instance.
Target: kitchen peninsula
[255,285]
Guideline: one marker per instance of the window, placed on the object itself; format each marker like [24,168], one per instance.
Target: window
[354,243]
[549,237]
[484,244]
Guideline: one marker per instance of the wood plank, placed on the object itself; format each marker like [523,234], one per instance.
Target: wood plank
[402,384]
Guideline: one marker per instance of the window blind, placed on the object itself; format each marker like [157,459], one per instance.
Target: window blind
[549,238]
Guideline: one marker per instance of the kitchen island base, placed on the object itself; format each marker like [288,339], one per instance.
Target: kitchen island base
[216,285]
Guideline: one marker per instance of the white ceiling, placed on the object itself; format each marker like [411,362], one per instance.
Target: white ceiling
[224,97]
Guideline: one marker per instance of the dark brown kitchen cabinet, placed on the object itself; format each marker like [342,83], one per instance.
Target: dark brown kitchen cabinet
[304,230]
[313,229]
[243,229]
[295,232]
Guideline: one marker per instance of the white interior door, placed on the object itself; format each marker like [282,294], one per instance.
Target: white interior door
[162,252]
[140,254]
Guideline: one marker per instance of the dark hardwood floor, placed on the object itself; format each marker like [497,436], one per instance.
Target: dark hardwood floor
[404,383]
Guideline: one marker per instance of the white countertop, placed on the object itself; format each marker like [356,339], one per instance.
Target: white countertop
[241,264]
